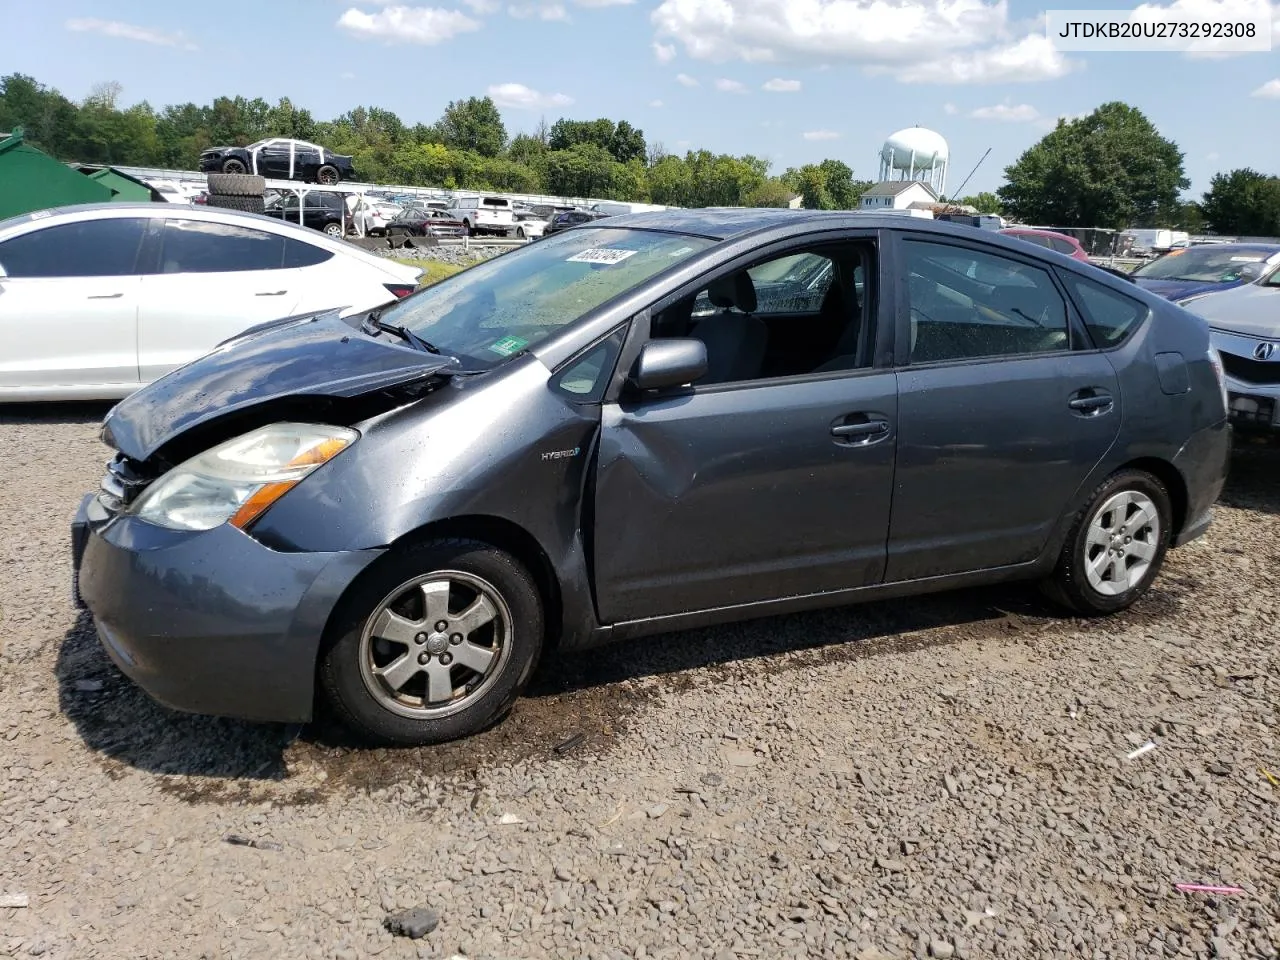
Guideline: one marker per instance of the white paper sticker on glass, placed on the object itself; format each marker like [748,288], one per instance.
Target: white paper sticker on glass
[601,255]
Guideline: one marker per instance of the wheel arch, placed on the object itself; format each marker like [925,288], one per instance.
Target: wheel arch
[508,536]
[1174,483]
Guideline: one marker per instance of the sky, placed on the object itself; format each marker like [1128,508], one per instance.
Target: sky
[792,81]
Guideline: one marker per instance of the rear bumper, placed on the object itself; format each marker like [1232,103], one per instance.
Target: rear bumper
[1203,463]
[210,622]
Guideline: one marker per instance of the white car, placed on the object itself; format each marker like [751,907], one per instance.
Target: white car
[528,225]
[372,216]
[100,299]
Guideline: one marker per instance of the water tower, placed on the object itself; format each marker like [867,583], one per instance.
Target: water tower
[916,154]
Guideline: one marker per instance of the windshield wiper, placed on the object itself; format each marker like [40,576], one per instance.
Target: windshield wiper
[404,333]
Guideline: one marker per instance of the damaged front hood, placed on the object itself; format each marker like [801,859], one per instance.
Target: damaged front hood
[318,355]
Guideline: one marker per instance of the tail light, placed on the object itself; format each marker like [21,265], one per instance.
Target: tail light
[1215,358]
[400,290]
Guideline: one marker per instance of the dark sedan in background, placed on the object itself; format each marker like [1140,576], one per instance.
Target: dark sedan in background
[425,222]
[572,218]
[402,510]
[280,159]
[1207,268]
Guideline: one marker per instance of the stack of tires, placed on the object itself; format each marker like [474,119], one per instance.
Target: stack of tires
[236,191]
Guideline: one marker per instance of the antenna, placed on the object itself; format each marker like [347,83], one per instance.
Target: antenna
[960,190]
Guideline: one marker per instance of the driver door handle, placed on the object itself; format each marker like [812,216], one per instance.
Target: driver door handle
[273,293]
[868,429]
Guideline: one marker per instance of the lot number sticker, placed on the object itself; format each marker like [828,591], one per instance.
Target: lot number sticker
[507,346]
[601,255]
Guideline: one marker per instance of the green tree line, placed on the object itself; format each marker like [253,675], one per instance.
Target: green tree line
[468,147]
[1111,168]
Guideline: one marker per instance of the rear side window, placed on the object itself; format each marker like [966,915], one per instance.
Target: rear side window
[1110,316]
[199,246]
[1062,246]
[299,254]
[91,248]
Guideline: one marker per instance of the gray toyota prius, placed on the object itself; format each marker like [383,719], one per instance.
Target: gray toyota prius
[648,423]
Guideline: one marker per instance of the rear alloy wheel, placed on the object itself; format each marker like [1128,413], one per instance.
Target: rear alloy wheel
[1116,546]
[435,643]
[333,230]
[328,175]
[234,166]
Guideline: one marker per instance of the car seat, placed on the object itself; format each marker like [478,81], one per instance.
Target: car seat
[735,341]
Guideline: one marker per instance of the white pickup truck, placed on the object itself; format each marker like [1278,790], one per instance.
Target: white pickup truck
[484,215]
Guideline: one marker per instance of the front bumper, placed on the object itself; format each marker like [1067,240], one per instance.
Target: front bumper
[1253,406]
[210,622]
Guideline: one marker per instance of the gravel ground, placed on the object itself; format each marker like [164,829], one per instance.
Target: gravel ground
[455,255]
[943,777]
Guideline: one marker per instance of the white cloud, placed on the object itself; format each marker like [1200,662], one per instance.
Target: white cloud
[730,86]
[1269,90]
[127,31]
[1030,59]
[821,135]
[950,109]
[942,41]
[603,3]
[656,104]
[421,25]
[665,52]
[346,75]
[686,81]
[1211,157]
[519,97]
[777,85]
[483,7]
[538,11]
[1006,113]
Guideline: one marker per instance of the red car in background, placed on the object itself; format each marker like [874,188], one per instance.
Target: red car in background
[1054,241]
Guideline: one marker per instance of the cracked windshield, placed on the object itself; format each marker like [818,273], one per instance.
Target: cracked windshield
[500,308]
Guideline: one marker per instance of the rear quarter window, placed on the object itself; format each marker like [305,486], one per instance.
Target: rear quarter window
[1109,316]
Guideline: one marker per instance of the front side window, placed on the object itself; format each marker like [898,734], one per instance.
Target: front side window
[801,313]
[503,306]
[198,246]
[966,304]
[1108,315]
[90,248]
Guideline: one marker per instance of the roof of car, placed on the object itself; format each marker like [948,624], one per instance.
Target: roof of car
[725,223]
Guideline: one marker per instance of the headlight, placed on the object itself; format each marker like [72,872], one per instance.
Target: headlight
[238,480]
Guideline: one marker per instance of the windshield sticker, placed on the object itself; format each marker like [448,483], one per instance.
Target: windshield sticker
[507,346]
[682,251]
[1246,259]
[601,255]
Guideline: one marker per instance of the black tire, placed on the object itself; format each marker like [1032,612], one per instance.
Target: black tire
[328,175]
[232,165]
[243,204]
[236,185]
[334,229]
[1070,583]
[343,667]
[519,233]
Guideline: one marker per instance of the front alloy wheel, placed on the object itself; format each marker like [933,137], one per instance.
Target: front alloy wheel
[434,642]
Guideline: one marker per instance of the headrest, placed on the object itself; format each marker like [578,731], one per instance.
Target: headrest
[735,290]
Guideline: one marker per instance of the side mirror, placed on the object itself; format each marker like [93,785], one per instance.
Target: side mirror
[670,363]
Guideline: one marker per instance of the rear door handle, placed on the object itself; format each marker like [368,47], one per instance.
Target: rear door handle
[105,296]
[1091,403]
[273,293]
[870,428]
